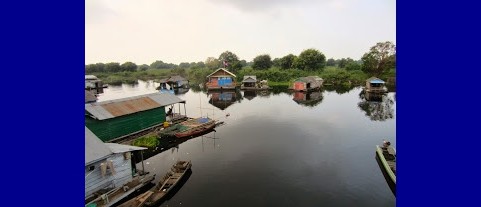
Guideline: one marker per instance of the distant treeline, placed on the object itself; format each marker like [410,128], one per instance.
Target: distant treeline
[379,61]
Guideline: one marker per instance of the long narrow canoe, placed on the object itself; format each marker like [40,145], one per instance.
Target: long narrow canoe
[387,155]
[168,182]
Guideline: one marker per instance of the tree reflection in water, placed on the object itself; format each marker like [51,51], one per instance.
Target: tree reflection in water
[378,107]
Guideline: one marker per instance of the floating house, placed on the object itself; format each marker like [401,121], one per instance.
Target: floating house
[92,83]
[173,82]
[308,83]
[90,97]
[221,79]
[251,83]
[110,173]
[115,119]
[375,85]
[178,82]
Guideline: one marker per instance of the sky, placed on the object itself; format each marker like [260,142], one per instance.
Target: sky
[175,31]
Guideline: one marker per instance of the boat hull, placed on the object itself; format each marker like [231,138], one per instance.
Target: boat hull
[385,164]
[195,131]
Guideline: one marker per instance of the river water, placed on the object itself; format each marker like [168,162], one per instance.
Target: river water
[280,148]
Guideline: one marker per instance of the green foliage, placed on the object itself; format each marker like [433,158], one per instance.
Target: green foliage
[310,59]
[380,58]
[212,63]
[276,62]
[330,62]
[158,64]
[353,66]
[128,66]
[262,62]
[146,141]
[231,60]
[112,67]
[287,61]
[143,67]
[198,76]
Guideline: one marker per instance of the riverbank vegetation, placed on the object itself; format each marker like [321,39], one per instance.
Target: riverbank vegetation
[379,61]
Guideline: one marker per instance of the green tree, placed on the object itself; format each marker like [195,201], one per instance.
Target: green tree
[262,62]
[287,61]
[342,63]
[380,58]
[310,59]
[231,60]
[353,65]
[143,67]
[243,63]
[128,66]
[158,64]
[276,62]
[197,65]
[184,65]
[112,67]
[331,62]
[212,63]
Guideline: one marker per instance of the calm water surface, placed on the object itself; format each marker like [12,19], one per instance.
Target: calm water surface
[278,150]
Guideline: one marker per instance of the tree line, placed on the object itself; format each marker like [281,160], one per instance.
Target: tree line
[379,59]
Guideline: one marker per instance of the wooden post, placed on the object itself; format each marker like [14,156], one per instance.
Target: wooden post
[142,157]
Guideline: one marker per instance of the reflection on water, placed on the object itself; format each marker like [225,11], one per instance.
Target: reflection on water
[249,95]
[378,107]
[310,99]
[341,89]
[273,151]
[224,99]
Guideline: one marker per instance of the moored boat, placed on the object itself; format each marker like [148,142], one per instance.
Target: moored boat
[189,128]
[155,195]
[387,156]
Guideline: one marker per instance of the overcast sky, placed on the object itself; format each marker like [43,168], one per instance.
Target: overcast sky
[174,31]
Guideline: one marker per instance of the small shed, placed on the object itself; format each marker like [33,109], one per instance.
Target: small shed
[308,83]
[249,81]
[375,85]
[221,79]
[114,119]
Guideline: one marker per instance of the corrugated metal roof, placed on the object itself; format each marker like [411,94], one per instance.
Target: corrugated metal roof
[377,81]
[120,148]
[114,108]
[95,149]
[223,70]
[163,80]
[176,78]
[374,80]
[249,79]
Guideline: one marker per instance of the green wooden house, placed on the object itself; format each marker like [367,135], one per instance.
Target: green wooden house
[113,119]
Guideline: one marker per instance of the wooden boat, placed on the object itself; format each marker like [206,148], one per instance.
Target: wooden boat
[387,155]
[167,183]
[115,195]
[188,128]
